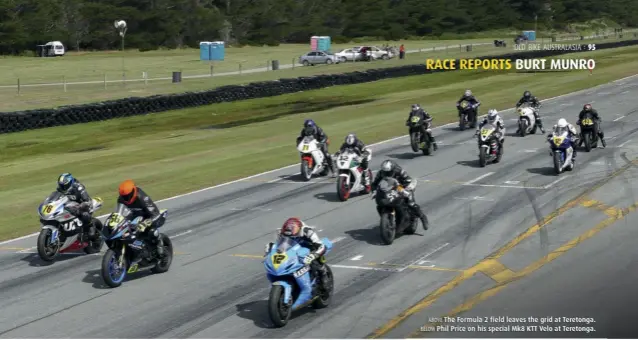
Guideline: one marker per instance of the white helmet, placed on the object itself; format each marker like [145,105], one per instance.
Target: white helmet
[562,123]
[387,166]
[468,93]
[491,115]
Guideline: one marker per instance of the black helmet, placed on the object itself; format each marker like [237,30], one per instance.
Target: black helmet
[527,94]
[416,107]
[587,107]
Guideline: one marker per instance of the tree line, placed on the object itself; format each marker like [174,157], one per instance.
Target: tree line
[152,24]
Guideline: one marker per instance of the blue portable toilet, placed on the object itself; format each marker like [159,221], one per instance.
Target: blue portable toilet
[204,50]
[531,35]
[320,43]
[217,50]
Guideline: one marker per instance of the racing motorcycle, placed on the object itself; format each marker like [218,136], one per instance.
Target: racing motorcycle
[61,230]
[561,150]
[526,120]
[467,115]
[127,254]
[350,175]
[396,217]
[312,159]
[418,142]
[489,150]
[588,133]
[294,284]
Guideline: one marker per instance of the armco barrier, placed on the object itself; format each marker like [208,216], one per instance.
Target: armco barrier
[67,115]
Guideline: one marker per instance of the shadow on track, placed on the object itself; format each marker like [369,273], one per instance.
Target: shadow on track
[369,235]
[329,196]
[257,312]
[406,155]
[472,164]
[545,171]
[95,278]
[34,260]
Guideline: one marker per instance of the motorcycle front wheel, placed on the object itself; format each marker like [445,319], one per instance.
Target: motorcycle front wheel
[113,274]
[47,251]
[387,228]
[278,311]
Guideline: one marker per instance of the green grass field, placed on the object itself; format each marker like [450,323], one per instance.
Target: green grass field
[90,67]
[180,151]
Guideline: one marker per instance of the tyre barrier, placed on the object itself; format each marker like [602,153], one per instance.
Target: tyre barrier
[76,114]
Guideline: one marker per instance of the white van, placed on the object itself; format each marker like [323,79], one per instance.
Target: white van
[57,48]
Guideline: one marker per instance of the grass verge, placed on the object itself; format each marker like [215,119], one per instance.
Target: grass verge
[55,95]
[180,151]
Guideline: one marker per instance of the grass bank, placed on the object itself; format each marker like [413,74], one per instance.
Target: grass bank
[161,63]
[180,151]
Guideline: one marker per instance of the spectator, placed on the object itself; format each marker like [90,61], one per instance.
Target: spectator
[401,52]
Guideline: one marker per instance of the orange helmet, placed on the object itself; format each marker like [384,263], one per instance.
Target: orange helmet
[128,191]
[292,227]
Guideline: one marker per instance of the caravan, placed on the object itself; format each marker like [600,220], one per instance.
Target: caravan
[50,49]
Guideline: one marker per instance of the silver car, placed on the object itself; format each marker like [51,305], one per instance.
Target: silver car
[349,54]
[318,57]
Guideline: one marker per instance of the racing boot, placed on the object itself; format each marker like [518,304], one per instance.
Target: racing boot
[539,123]
[433,143]
[602,140]
[574,155]
[416,209]
[366,179]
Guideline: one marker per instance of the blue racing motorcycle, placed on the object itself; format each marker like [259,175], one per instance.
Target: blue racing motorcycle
[294,284]
[561,150]
[127,254]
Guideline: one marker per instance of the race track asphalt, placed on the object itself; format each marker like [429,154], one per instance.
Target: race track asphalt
[505,240]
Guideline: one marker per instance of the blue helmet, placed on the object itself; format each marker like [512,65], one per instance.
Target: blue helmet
[309,123]
[65,181]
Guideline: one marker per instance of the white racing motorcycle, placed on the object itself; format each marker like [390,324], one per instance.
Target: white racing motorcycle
[526,120]
[312,159]
[61,230]
[350,174]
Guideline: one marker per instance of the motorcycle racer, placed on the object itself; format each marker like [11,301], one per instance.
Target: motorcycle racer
[393,170]
[588,110]
[295,228]
[141,204]
[535,103]
[495,119]
[426,118]
[312,129]
[352,142]
[76,192]
[561,126]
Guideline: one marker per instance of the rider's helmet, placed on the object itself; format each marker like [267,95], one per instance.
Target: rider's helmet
[416,107]
[527,94]
[128,191]
[467,93]
[491,115]
[587,107]
[292,227]
[562,123]
[309,127]
[386,167]
[65,181]
[351,139]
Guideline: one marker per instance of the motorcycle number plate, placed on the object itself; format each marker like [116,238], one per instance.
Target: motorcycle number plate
[305,147]
[301,271]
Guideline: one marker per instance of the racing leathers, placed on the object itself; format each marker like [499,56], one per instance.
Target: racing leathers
[408,184]
[322,138]
[310,239]
[535,104]
[597,128]
[426,120]
[572,134]
[500,129]
[472,101]
[77,193]
[364,153]
[142,205]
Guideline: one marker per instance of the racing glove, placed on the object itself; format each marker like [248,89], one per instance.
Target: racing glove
[309,258]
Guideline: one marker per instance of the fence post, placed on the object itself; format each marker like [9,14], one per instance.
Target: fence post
[293,63]
[211,69]
[18,85]
[105,81]
[64,81]
[240,68]
[145,78]
[267,65]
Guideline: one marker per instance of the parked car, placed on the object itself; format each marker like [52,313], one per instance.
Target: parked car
[377,53]
[318,57]
[349,54]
